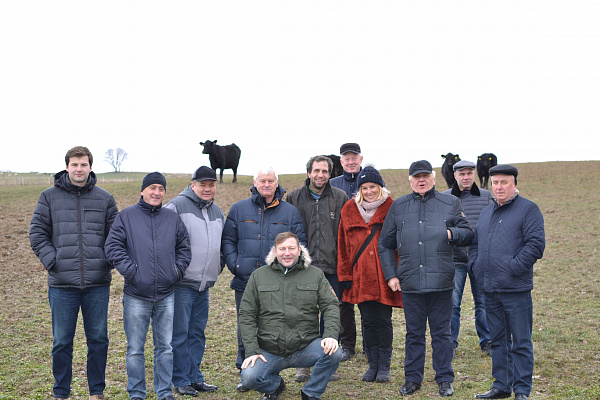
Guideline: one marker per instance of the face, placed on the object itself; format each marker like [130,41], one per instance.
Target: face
[154,194]
[266,185]
[351,162]
[370,191]
[206,190]
[319,176]
[503,187]
[79,169]
[287,252]
[464,178]
[422,183]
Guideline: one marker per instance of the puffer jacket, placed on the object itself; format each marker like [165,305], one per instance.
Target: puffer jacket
[321,221]
[368,282]
[346,182]
[250,230]
[509,239]
[204,222]
[279,312]
[473,201]
[150,247]
[417,226]
[68,229]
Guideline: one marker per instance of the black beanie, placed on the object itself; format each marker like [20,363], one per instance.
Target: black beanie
[154,178]
[369,174]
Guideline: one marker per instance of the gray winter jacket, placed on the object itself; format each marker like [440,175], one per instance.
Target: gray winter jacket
[417,226]
[204,222]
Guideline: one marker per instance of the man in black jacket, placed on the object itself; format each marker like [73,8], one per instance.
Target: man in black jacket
[67,232]
[320,206]
[423,227]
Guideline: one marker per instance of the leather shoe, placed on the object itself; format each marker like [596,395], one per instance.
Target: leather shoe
[204,387]
[276,393]
[521,396]
[186,390]
[241,388]
[347,354]
[446,388]
[493,393]
[409,388]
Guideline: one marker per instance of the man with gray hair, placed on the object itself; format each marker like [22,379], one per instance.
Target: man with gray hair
[249,235]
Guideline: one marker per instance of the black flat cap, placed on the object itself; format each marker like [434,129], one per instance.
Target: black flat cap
[350,147]
[420,167]
[504,169]
[463,164]
[204,174]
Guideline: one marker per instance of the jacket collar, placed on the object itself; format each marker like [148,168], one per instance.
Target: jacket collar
[190,194]
[62,181]
[428,195]
[147,207]
[457,192]
[351,176]
[261,202]
[304,259]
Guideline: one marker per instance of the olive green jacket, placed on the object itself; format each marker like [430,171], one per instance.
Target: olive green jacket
[279,313]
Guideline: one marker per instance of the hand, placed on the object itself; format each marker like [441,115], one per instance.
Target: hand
[251,360]
[394,284]
[449,234]
[329,345]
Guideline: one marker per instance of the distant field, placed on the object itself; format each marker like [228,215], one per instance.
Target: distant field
[39,178]
[566,300]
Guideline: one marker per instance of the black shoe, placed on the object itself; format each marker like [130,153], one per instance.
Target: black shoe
[493,393]
[204,387]
[521,396]
[486,348]
[186,390]
[275,395]
[347,354]
[446,388]
[307,397]
[241,388]
[409,388]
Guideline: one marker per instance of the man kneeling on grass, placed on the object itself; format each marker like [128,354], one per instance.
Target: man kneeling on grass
[279,322]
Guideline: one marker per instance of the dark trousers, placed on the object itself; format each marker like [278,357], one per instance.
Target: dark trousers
[435,308]
[337,289]
[347,325]
[241,355]
[377,324]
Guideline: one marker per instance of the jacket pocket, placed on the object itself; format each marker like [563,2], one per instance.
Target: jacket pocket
[267,294]
[306,296]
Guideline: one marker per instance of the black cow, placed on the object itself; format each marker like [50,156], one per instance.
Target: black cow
[484,163]
[447,171]
[223,157]
[337,166]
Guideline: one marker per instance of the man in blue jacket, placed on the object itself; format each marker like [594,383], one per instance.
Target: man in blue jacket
[68,229]
[424,226]
[149,245]
[204,221]
[509,239]
[249,235]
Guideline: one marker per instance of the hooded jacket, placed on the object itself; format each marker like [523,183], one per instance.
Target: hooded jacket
[368,282]
[204,222]
[250,230]
[68,229]
[472,201]
[321,220]
[509,239]
[417,226]
[150,247]
[279,312]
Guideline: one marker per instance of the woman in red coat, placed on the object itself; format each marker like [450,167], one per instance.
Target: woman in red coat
[364,282]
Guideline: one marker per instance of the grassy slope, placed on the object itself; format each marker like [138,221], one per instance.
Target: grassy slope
[566,302]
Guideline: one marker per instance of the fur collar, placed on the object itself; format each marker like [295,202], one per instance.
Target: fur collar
[457,192]
[304,257]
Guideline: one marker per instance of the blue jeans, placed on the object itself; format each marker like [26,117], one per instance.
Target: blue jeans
[435,308]
[65,304]
[189,322]
[481,325]
[137,315]
[510,317]
[264,377]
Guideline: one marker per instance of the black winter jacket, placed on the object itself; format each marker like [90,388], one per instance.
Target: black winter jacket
[321,221]
[67,232]
[417,226]
[150,247]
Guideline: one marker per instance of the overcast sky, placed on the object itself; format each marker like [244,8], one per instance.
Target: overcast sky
[286,80]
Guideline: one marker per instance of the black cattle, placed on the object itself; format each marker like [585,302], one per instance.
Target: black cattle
[449,160]
[223,157]
[484,163]
[337,166]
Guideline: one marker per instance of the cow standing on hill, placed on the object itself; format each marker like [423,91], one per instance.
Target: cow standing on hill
[484,163]
[447,171]
[223,157]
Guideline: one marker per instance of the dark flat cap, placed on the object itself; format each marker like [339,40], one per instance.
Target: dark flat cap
[420,167]
[504,169]
[204,173]
[463,164]
[350,147]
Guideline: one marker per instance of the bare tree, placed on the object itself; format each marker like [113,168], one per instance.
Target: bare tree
[115,158]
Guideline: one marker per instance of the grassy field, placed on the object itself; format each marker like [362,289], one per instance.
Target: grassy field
[566,301]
